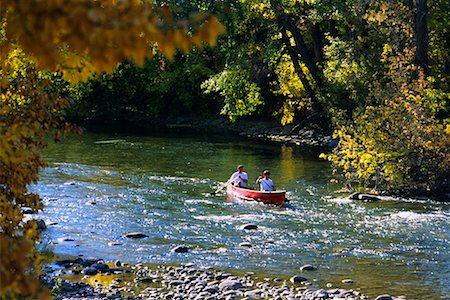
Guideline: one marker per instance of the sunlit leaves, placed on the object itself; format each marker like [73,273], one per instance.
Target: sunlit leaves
[15,255]
[241,96]
[29,111]
[291,87]
[104,32]
[398,144]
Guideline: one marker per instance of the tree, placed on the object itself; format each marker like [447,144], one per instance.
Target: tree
[421,33]
[78,38]
[398,138]
[29,111]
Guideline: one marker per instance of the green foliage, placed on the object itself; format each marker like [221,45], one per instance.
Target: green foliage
[398,144]
[241,97]
[348,74]
[159,88]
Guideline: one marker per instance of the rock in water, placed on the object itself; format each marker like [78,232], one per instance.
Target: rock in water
[67,240]
[307,268]
[363,197]
[248,227]
[384,297]
[180,249]
[41,224]
[368,198]
[245,245]
[347,281]
[135,235]
[297,279]
[114,244]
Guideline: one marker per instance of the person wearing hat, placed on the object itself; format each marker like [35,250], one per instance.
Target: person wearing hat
[239,178]
[265,183]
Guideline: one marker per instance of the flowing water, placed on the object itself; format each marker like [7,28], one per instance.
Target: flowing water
[99,187]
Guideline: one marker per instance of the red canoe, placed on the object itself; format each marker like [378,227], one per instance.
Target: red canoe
[275,197]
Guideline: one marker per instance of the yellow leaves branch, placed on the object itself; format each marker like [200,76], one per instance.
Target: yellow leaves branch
[103,32]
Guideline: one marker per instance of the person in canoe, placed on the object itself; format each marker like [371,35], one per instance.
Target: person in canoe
[239,178]
[265,183]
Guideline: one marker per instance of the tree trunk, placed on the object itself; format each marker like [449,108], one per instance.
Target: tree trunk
[286,24]
[421,33]
[316,105]
[316,36]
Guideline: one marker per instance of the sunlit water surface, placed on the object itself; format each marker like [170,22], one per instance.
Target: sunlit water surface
[99,187]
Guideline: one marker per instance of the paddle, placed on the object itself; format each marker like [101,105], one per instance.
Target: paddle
[223,186]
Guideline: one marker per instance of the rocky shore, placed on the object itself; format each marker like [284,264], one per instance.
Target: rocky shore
[260,130]
[83,278]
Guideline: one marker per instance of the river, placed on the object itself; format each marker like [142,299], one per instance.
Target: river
[99,187]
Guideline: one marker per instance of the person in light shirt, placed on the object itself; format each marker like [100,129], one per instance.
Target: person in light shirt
[265,183]
[239,178]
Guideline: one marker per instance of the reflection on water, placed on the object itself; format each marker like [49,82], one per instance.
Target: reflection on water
[285,162]
[99,187]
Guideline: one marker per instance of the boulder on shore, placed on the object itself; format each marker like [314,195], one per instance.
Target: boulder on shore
[90,271]
[230,285]
[100,266]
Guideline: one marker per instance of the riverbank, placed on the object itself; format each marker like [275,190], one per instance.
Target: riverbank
[259,130]
[83,278]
